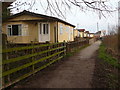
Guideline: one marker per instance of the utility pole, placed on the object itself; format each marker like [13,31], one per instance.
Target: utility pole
[77,25]
[97,26]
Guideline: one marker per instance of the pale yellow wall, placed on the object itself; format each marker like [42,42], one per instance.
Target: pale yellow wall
[76,33]
[52,34]
[19,39]
[65,34]
[85,34]
[91,35]
[32,32]
[82,34]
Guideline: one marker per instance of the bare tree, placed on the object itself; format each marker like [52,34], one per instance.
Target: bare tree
[113,30]
[54,6]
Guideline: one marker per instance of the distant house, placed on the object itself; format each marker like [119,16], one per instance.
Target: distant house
[79,33]
[86,34]
[103,33]
[98,34]
[82,31]
[26,26]
[76,33]
[91,35]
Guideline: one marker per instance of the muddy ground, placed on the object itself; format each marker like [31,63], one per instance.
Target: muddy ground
[105,75]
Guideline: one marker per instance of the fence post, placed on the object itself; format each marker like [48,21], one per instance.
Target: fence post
[4,56]
[64,44]
[48,53]
[33,67]
[67,48]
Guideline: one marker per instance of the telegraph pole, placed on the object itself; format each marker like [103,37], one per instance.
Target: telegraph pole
[97,26]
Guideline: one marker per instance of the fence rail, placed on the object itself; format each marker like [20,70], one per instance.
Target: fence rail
[21,62]
[71,46]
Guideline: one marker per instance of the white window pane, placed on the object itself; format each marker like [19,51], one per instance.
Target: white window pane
[20,29]
[9,32]
[61,28]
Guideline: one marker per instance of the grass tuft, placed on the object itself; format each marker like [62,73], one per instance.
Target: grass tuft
[108,58]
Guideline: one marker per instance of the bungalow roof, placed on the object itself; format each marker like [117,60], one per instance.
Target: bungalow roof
[39,15]
[87,32]
[81,30]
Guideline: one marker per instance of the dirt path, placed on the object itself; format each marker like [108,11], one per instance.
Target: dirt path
[74,72]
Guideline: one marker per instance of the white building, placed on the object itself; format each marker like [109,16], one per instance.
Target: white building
[103,33]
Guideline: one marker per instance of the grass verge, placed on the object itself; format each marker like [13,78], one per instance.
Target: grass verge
[110,66]
[108,58]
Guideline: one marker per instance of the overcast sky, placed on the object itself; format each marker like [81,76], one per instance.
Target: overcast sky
[85,20]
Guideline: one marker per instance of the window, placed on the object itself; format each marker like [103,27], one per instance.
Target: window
[14,30]
[61,28]
[40,28]
[9,30]
[45,29]
[67,29]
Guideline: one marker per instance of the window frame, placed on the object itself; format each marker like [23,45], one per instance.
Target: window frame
[46,32]
[61,28]
[68,28]
[11,32]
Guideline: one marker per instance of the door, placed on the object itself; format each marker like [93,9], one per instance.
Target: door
[44,32]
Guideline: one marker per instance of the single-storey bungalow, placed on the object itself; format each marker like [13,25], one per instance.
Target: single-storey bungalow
[26,26]
[97,34]
[91,35]
[86,34]
[76,33]
[79,33]
[82,31]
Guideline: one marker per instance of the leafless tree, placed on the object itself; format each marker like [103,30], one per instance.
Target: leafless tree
[113,30]
[54,6]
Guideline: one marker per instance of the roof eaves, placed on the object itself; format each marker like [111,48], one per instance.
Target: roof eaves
[38,15]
